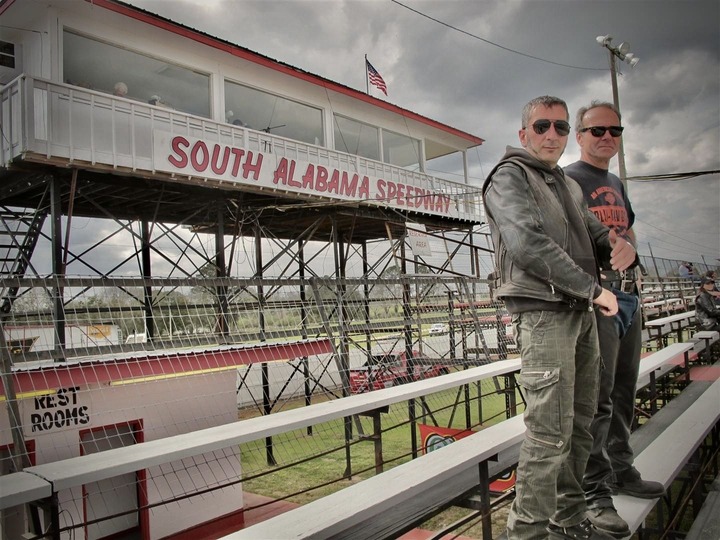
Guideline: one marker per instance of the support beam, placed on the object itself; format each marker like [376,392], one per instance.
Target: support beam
[221,272]
[147,274]
[57,267]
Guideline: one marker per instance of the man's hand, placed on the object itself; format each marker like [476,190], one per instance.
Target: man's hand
[623,253]
[607,302]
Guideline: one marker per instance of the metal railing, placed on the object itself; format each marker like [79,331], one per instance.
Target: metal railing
[57,120]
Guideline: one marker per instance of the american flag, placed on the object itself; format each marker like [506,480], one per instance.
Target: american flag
[375,78]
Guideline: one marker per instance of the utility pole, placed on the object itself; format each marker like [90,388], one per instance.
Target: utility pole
[622,53]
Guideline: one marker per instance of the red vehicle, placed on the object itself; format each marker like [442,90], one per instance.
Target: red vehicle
[391,369]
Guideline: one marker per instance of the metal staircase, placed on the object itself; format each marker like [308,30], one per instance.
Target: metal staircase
[19,232]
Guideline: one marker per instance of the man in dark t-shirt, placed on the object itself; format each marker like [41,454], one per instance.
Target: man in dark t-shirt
[610,467]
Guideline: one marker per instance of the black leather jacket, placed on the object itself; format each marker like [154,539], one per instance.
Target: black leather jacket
[707,313]
[545,251]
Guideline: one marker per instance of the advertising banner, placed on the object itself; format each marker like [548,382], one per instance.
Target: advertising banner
[434,437]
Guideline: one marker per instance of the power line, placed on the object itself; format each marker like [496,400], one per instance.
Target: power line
[674,177]
[676,249]
[671,234]
[491,42]
[675,253]
[679,247]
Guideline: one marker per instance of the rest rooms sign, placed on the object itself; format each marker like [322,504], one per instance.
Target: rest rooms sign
[188,156]
[65,408]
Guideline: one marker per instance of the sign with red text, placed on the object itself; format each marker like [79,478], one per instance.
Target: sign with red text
[418,239]
[188,156]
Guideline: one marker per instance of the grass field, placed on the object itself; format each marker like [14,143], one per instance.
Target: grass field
[309,466]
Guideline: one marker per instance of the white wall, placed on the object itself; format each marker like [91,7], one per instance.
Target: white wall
[164,407]
[250,393]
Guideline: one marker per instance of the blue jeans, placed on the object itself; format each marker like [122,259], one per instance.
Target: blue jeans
[611,452]
[560,372]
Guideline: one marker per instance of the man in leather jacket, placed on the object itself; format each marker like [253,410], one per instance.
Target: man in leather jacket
[546,247]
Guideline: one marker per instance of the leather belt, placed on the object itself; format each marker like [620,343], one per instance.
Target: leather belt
[614,275]
[622,281]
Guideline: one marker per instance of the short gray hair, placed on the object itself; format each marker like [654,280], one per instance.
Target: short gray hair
[582,111]
[547,101]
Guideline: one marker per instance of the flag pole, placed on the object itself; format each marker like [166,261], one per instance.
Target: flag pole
[367,84]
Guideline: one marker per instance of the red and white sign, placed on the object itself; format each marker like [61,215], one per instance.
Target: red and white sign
[183,155]
[418,239]
[435,437]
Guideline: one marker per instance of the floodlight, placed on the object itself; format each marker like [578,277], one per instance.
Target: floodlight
[620,52]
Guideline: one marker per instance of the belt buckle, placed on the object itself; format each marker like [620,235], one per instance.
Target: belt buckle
[627,281]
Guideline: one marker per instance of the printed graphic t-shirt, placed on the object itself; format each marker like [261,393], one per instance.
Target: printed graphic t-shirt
[605,195]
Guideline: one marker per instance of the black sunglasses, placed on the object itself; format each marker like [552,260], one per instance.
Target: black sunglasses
[562,128]
[599,131]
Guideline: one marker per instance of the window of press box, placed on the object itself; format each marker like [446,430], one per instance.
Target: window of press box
[96,65]
[7,54]
[401,150]
[357,138]
[261,111]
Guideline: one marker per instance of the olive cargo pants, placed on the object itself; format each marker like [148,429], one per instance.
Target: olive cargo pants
[560,372]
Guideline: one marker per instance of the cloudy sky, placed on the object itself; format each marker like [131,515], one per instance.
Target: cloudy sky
[473,64]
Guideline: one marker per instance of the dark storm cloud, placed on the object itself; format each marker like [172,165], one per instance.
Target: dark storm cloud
[670,101]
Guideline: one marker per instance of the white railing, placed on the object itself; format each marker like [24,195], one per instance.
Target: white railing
[62,121]
[60,482]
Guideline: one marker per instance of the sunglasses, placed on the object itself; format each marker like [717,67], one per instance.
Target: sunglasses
[562,128]
[599,131]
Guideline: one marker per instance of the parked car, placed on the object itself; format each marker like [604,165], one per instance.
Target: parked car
[392,369]
[438,329]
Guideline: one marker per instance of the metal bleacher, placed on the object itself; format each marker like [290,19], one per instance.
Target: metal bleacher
[388,504]
[398,499]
